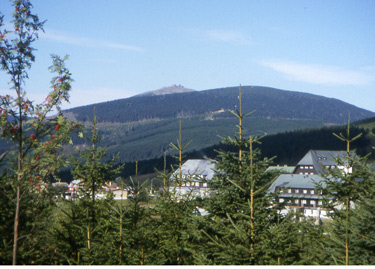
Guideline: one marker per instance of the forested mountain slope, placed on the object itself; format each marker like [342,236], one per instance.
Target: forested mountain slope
[287,147]
[142,127]
[268,103]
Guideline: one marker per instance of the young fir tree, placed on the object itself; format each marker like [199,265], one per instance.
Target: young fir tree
[68,234]
[363,222]
[177,220]
[35,138]
[342,189]
[93,173]
[133,236]
[244,217]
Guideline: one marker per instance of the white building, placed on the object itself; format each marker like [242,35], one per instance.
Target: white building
[195,175]
[299,187]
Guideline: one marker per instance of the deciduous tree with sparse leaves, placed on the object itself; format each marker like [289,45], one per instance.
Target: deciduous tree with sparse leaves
[35,136]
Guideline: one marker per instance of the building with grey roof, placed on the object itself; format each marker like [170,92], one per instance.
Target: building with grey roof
[318,161]
[195,175]
[299,187]
[300,191]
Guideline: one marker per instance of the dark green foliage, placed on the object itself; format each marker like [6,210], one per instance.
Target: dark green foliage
[154,137]
[288,148]
[345,186]
[245,224]
[90,168]
[80,231]
[310,239]
[35,217]
[244,213]
[176,228]
[363,219]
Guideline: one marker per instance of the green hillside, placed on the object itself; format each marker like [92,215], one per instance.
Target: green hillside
[368,124]
[150,140]
[288,147]
[141,127]
[268,102]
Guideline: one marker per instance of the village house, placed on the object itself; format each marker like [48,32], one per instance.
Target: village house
[111,187]
[299,187]
[118,193]
[195,175]
[73,189]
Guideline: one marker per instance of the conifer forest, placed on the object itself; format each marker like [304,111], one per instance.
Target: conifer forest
[243,224]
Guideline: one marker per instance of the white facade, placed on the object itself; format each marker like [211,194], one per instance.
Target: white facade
[195,175]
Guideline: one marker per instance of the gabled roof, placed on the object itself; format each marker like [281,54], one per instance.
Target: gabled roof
[321,158]
[197,167]
[296,181]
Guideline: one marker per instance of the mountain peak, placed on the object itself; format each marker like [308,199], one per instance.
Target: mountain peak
[167,90]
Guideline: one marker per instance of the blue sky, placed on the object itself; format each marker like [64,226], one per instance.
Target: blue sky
[119,48]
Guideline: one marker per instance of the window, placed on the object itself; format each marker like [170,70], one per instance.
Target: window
[289,190]
[312,192]
[304,191]
[304,202]
[204,184]
[320,203]
[312,202]
[306,167]
[311,167]
[296,191]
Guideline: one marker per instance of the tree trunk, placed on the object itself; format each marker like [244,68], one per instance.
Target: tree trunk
[19,177]
[16,224]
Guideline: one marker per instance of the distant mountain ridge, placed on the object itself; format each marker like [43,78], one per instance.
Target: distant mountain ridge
[268,102]
[167,90]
